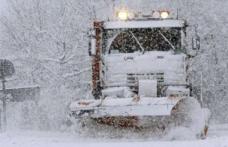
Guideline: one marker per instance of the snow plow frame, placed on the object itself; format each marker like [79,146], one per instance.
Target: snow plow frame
[125,107]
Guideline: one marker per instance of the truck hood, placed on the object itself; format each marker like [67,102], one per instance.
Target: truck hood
[118,66]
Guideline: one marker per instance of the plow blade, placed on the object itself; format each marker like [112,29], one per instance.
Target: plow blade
[113,107]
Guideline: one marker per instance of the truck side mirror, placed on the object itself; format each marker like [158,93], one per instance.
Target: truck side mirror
[196,40]
[92,43]
[195,47]
[196,43]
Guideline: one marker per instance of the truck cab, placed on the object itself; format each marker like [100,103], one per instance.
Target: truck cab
[129,55]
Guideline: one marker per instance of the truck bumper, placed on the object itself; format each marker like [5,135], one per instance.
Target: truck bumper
[123,107]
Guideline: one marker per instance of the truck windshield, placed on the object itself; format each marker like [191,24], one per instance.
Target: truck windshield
[143,40]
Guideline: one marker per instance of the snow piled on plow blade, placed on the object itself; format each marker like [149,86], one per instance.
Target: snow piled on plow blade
[127,106]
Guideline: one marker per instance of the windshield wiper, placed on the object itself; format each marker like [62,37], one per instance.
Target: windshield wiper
[143,50]
[167,40]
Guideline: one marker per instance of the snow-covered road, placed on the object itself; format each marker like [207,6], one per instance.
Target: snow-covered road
[218,137]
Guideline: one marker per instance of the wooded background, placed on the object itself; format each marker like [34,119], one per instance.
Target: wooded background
[48,43]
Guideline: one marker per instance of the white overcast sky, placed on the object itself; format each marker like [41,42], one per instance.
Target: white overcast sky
[2,5]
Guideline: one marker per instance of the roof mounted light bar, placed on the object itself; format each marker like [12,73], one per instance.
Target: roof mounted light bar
[144,24]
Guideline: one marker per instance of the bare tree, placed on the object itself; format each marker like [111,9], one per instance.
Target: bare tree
[48,42]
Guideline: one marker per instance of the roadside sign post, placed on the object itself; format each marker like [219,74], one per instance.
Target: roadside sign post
[6,70]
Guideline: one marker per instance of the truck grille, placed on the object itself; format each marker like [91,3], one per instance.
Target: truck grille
[133,78]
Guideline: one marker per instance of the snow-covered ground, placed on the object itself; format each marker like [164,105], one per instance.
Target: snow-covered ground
[218,137]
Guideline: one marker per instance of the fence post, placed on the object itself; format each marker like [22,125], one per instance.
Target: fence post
[0,120]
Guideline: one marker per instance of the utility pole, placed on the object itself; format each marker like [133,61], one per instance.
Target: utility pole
[4,103]
[113,6]
[201,89]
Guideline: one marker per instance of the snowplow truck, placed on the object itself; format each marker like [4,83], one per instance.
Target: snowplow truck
[140,73]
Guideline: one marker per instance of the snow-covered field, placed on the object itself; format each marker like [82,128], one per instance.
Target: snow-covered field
[218,137]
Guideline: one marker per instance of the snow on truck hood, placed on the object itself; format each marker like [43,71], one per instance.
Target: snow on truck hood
[166,61]
[119,65]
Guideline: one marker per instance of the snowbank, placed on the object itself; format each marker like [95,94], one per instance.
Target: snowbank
[44,139]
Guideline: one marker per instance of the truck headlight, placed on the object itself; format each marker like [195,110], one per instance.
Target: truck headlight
[123,14]
[164,14]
